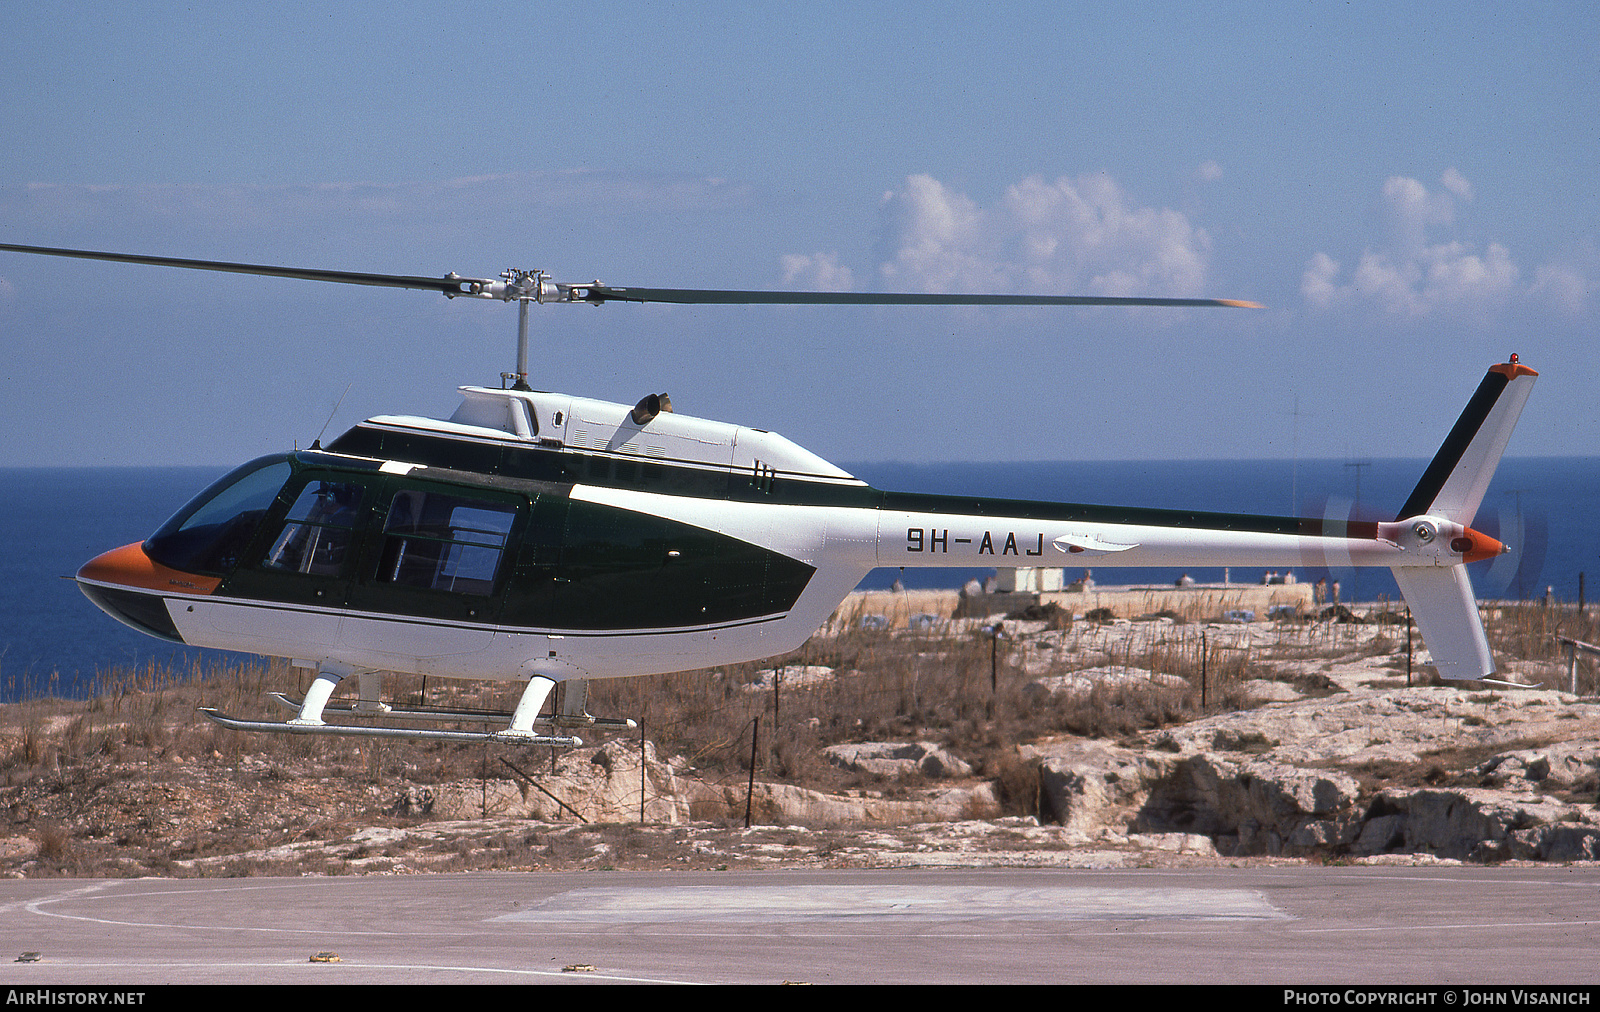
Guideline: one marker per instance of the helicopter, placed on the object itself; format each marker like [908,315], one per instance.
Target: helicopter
[549,539]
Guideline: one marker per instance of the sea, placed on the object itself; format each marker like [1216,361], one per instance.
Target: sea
[54,642]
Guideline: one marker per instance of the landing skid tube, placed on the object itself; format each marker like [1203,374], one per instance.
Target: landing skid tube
[356,731]
[462,714]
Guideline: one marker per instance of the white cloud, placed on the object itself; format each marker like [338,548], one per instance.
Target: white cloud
[1456,183]
[1411,209]
[1566,287]
[819,272]
[1411,277]
[1318,283]
[1069,236]
[1439,278]
[1208,171]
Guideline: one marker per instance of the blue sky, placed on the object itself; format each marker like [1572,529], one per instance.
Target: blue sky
[1412,190]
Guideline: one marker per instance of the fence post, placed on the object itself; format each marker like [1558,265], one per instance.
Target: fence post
[1408,648]
[750,788]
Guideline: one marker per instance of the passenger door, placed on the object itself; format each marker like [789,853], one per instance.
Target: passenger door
[304,559]
[433,570]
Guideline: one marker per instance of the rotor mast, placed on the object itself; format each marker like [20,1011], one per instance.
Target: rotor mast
[523,286]
[527,285]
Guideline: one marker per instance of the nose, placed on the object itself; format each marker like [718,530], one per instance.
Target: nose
[129,586]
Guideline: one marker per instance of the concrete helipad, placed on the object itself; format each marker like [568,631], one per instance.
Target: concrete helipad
[1282,925]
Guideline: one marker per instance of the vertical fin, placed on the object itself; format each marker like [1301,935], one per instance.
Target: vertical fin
[1452,487]
[1455,481]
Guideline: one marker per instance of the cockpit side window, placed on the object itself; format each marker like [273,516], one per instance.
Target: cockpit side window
[438,541]
[319,532]
[210,533]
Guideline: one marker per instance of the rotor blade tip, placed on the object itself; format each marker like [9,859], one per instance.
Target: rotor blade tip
[1241,304]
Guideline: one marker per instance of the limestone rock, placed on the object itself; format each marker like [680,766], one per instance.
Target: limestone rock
[1081,683]
[893,759]
[1086,785]
[1252,807]
[1476,824]
[604,785]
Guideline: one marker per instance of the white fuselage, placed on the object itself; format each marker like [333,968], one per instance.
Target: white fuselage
[789,502]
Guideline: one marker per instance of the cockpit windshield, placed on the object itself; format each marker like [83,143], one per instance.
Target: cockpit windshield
[208,535]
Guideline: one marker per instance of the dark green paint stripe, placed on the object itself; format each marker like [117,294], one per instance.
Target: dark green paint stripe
[1455,445]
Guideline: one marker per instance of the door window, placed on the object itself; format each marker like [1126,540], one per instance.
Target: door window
[438,541]
[319,532]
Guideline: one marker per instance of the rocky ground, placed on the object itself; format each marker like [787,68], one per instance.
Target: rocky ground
[1318,752]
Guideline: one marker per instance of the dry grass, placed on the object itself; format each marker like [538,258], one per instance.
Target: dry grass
[952,687]
[947,688]
[151,713]
[1533,632]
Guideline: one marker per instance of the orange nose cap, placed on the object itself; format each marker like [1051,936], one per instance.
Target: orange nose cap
[128,566]
[1475,546]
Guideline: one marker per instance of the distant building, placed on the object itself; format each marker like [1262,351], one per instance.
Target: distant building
[1026,580]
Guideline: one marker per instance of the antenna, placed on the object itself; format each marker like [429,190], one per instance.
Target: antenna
[316,444]
[1358,465]
[1294,478]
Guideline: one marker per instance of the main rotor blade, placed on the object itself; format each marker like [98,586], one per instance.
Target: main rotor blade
[447,285]
[703,296]
[453,285]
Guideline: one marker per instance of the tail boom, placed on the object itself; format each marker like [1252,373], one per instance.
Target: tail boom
[1427,546]
[1003,538]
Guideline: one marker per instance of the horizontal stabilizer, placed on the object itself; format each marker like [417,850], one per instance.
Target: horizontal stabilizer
[1441,599]
[1455,481]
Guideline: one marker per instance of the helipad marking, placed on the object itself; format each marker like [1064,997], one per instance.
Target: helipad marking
[787,902]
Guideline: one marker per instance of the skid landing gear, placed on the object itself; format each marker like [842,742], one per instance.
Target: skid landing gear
[516,727]
[367,731]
